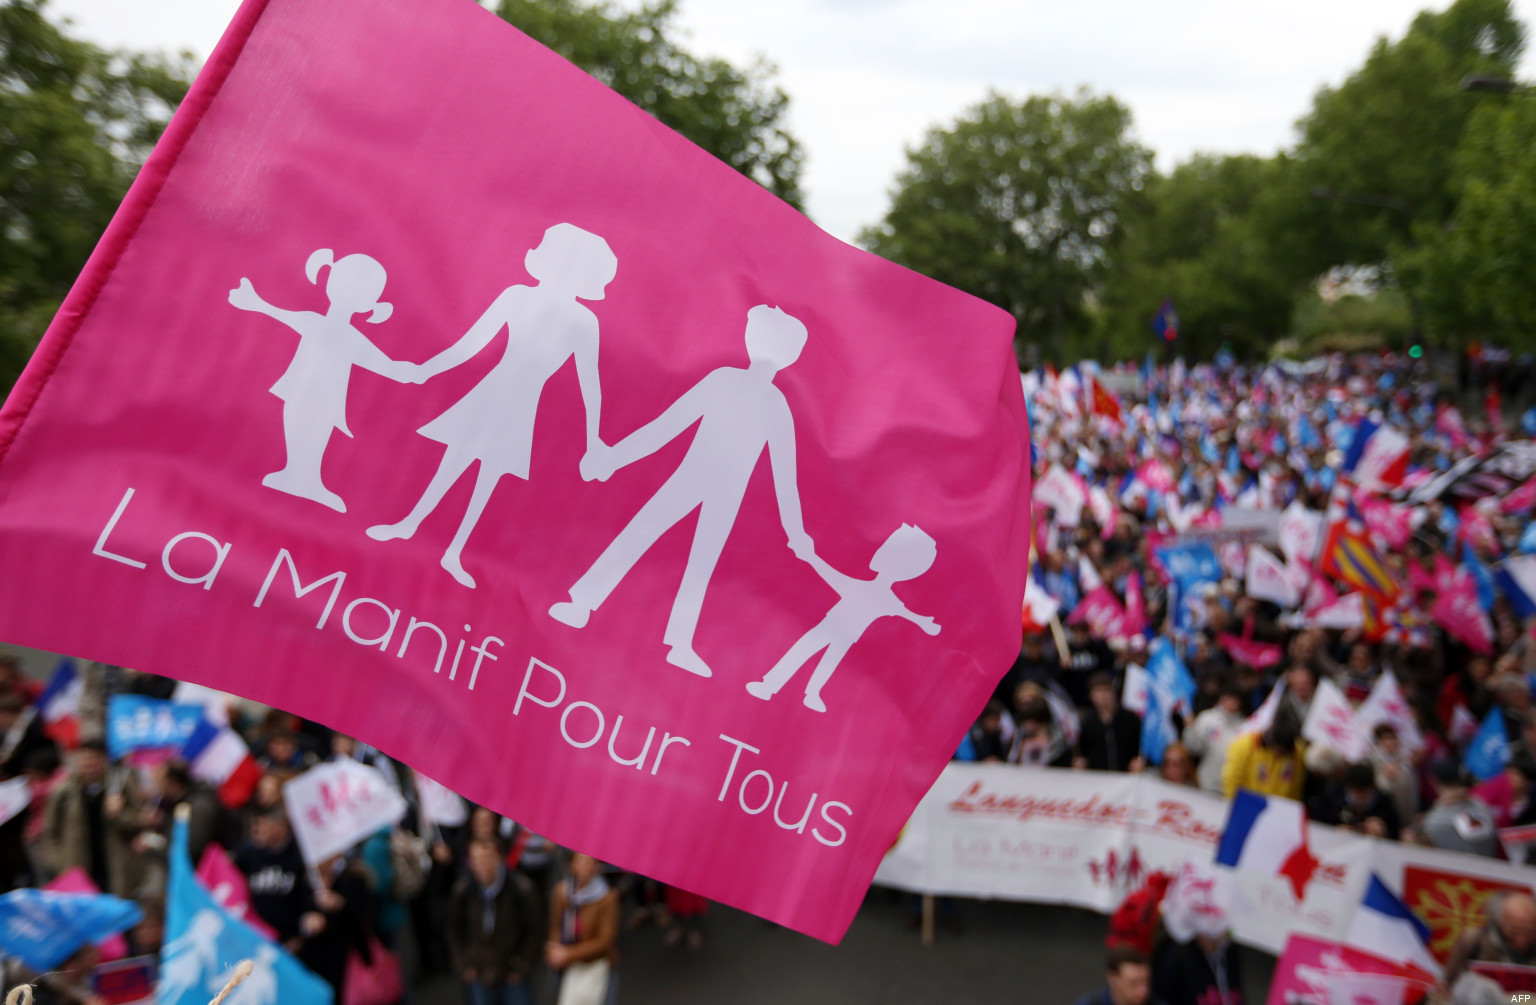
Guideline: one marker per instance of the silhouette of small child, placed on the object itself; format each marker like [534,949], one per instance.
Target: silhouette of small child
[906,554]
[314,387]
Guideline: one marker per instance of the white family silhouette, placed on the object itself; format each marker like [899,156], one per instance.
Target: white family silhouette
[738,411]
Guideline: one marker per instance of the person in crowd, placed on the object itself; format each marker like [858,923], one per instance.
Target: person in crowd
[346,899]
[1395,774]
[1212,730]
[1109,737]
[21,733]
[1128,980]
[988,742]
[274,870]
[1356,804]
[583,930]
[1086,658]
[1456,821]
[1300,687]
[92,820]
[177,787]
[1177,767]
[1270,763]
[1037,739]
[685,916]
[495,929]
[1206,970]
[14,682]
[1508,794]
[284,754]
[1508,936]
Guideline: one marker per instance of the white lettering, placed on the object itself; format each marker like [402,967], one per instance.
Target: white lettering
[220,552]
[666,739]
[842,834]
[573,706]
[299,590]
[481,654]
[798,828]
[523,692]
[442,641]
[639,759]
[383,640]
[106,532]
[741,797]
[740,746]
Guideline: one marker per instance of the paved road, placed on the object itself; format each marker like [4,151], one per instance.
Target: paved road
[1007,953]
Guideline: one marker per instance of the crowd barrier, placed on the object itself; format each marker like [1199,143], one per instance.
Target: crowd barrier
[1087,838]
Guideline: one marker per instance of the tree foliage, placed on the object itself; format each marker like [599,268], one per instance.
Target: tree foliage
[1021,204]
[736,114]
[76,123]
[1477,274]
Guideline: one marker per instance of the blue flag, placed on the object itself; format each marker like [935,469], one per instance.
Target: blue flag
[1486,594]
[1488,752]
[135,722]
[204,943]
[1156,724]
[1190,564]
[1168,672]
[44,928]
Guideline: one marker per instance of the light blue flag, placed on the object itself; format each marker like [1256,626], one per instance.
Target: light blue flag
[204,943]
[1528,539]
[135,722]
[1486,594]
[1190,564]
[1489,751]
[43,928]
[1168,672]
[1157,723]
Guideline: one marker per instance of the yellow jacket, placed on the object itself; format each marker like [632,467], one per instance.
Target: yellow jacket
[1271,773]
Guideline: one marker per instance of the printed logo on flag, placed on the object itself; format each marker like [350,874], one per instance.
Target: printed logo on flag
[457,431]
[1449,903]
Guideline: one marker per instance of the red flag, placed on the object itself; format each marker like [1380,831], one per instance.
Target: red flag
[1105,402]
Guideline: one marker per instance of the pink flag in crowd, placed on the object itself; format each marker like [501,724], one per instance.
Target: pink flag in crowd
[227,885]
[1135,620]
[1259,655]
[738,591]
[1102,612]
[1459,612]
[1316,970]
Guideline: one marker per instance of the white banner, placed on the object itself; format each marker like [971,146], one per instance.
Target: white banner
[440,804]
[334,806]
[15,795]
[1089,838]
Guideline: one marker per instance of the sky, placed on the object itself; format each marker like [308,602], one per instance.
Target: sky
[868,78]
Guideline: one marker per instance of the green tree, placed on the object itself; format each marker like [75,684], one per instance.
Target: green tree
[1021,204]
[1477,274]
[1379,149]
[76,123]
[736,114]
[1212,235]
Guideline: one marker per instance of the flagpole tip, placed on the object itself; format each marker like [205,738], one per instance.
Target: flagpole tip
[183,815]
[241,972]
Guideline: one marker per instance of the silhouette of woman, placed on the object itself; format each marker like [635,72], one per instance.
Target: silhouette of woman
[493,423]
[314,387]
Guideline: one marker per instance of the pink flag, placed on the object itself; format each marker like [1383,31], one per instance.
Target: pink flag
[76,880]
[1100,609]
[1135,620]
[1315,970]
[1388,522]
[1477,530]
[1458,611]
[1259,655]
[1268,578]
[744,582]
[1157,475]
[1521,499]
[227,886]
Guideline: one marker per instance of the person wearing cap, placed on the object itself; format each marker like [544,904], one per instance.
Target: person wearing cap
[1458,822]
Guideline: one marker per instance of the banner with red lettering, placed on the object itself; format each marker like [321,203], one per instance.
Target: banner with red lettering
[428,389]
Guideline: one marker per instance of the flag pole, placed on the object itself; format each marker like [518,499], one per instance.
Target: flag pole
[1060,638]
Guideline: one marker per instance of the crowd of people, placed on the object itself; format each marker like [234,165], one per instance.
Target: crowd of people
[489,903]
[1137,467]
[1208,454]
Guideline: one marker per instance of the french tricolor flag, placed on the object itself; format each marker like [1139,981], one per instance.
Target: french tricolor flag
[1516,577]
[1385,927]
[217,755]
[1268,835]
[59,704]
[1378,456]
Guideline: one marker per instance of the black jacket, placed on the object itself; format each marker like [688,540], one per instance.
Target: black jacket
[1112,746]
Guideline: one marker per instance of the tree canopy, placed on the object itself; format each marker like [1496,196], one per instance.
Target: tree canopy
[1021,204]
[736,114]
[76,122]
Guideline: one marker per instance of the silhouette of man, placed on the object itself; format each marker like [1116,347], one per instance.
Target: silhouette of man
[739,413]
